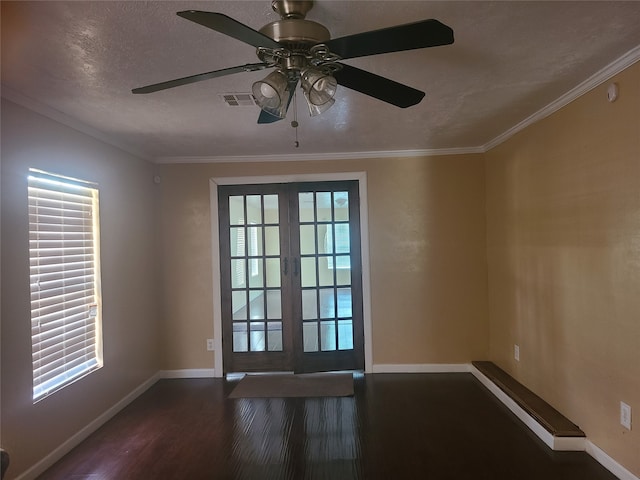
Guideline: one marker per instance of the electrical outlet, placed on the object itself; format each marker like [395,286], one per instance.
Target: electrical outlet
[210,346]
[625,415]
[516,352]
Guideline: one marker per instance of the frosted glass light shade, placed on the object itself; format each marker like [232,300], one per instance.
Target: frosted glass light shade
[318,109]
[270,93]
[319,88]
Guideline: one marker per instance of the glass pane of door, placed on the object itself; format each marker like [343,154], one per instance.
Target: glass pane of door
[254,241]
[325,259]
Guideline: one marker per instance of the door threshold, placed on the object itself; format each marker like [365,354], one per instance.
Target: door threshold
[240,375]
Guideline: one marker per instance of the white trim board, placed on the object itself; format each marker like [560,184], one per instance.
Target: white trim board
[609,71]
[598,78]
[609,463]
[422,368]
[554,443]
[306,157]
[64,119]
[188,373]
[40,467]
[361,177]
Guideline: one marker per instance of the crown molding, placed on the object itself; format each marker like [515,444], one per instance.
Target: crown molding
[49,112]
[615,67]
[589,84]
[289,157]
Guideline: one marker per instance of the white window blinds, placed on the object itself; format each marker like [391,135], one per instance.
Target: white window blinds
[65,281]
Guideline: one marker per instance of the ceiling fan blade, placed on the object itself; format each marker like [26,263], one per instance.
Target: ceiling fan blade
[249,67]
[227,25]
[378,87]
[427,33]
[266,117]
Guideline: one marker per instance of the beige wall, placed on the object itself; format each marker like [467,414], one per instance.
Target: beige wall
[427,256]
[563,224]
[129,272]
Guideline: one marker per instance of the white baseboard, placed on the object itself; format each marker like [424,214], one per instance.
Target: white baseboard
[579,444]
[40,467]
[555,443]
[189,373]
[609,463]
[551,441]
[422,368]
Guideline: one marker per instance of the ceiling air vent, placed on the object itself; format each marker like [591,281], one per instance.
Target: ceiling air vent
[238,99]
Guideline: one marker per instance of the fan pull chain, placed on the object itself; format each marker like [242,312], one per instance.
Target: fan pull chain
[294,123]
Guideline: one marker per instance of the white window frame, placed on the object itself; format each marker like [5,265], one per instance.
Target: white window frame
[66,306]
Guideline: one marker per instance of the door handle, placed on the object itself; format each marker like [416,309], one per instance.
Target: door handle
[295,266]
[286,266]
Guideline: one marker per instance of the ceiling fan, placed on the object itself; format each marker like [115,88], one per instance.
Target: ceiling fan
[301,50]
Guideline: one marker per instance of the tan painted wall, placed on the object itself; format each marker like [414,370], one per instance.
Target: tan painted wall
[427,249]
[563,223]
[127,206]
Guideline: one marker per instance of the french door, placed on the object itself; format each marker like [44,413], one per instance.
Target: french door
[291,277]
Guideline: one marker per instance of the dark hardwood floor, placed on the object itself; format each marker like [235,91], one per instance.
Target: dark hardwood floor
[397,426]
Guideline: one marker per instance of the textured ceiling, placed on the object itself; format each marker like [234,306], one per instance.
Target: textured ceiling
[509,60]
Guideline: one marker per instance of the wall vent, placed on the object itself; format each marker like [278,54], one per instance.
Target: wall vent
[238,99]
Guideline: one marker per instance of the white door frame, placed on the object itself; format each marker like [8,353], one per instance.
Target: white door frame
[361,177]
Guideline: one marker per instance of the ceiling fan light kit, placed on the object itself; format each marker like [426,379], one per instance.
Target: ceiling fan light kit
[270,93]
[302,51]
[315,110]
[318,86]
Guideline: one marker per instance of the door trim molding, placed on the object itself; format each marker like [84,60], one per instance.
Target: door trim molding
[361,177]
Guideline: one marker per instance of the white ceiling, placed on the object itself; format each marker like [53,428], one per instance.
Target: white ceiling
[78,61]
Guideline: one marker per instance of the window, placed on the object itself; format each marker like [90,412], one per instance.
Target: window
[64,259]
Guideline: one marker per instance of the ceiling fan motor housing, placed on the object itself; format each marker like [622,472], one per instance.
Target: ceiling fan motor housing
[297,35]
[296,32]
[293,30]
[292,8]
